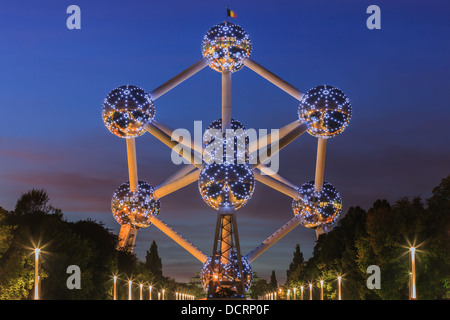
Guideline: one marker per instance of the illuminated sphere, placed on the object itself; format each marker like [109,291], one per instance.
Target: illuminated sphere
[214,140]
[126,110]
[225,46]
[317,209]
[327,110]
[135,208]
[226,273]
[226,185]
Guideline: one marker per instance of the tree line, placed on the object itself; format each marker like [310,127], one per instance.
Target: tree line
[382,236]
[88,244]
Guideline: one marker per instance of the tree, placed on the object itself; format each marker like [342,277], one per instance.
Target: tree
[32,202]
[273,280]
[153,261]
[86,244]
[296,267]
[260,288]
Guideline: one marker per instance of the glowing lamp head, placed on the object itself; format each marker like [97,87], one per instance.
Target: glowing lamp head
[126,110]
[135,208]
[327,110]
[226,46]
[226,185]
[317,209]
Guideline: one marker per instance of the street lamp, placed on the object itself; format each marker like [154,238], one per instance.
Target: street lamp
[310,291]
[115,288]
[321,289]
[289,294]
[295,293]
[140,291]
[339,288]
[150,292]
[129,289]
[36,273]
[301,289]
[412,253]
[163,294]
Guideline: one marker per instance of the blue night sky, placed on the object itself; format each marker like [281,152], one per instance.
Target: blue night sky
[53,82]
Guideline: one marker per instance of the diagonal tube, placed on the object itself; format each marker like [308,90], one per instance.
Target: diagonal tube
[278,185]
[283,141]
[167,140]
[179,78]
[189,247]
[168,188]
[280,83]
[274,238]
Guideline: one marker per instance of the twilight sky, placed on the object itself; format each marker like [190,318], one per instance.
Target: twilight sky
[53,82]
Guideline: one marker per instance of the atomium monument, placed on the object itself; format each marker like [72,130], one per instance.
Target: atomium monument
[128,112]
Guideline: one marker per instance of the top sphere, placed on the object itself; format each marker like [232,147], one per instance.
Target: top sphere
[126,110]
[327,110]
[226,45]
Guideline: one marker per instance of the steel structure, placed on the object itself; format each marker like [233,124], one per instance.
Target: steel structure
[128,111]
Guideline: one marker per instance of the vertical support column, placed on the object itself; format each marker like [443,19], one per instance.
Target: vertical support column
[127,237]
[226,240]
[127,234]
[320,163]
[132,164]
[226,101]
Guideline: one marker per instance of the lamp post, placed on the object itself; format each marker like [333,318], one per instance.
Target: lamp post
[310,291]
[150,292]
[321,289]
[129,289]
[412,253]
[339,288]
[288,294]
[115,288]
[163,294]
[140,291]
[295,293]
[301,296]
[36,273]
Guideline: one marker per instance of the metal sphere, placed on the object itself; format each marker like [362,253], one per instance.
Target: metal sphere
[135,208]
[226,274]
[226,45]
[126,110]
[215,143]
[317,209]
[327,110]
[226,185]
